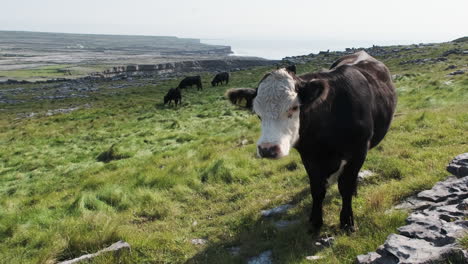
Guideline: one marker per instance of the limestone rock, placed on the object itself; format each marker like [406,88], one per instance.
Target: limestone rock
[277,210]
[417,251]
[282,224]
[459,165]
[198,241]
[433,229]
[365,174]
[314,257]
[263,258]
[116,247]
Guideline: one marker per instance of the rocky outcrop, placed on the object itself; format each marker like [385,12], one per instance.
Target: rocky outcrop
[187,66]
[423,61]
[457,72]
[459,165]
[432,230]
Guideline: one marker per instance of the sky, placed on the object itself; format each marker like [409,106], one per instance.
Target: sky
[390,21]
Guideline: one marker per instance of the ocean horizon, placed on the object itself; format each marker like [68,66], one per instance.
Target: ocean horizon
[280,48]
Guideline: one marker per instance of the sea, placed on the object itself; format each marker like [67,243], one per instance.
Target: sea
[276,49]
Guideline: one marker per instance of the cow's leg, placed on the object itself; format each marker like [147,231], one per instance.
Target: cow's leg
[347,184]
[318,190]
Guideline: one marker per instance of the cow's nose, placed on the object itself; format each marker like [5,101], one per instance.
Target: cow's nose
[268,151]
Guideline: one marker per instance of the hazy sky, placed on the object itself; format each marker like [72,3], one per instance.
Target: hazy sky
[390,20]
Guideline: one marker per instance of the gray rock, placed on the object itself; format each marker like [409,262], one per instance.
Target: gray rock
[282,224]
[314,257]
[365,174]
[235,251]
[433,229]
[263,258]
[440,192]
[199,241]
[459,165]
[376,258]
[428,229]
[413,203]
[457,72]
[116,247]
[452,51]
[325,242]
[451,67]
[277,210]
[417,251]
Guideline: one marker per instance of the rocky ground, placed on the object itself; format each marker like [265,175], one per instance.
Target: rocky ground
[434,227]
[395,52]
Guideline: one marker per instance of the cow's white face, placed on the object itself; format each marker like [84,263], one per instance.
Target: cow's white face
[277,105]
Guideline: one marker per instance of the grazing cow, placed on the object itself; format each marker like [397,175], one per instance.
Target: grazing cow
[173,94]
[189,81]
[220,78]
[238,94]
[332,118]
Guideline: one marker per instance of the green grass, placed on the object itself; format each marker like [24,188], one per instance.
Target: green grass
[174,174]
[52,71]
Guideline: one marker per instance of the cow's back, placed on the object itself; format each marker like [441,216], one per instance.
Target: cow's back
[360,104]
[382,88]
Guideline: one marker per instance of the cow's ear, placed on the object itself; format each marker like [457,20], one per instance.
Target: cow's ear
[242,96]
[311,92]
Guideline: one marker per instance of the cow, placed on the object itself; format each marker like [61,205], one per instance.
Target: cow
[189,81]
[238,94]
[173,94]
[220,78]
[333,118]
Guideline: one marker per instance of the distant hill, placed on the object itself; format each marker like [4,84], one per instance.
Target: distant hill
[34,55]
[462,39]
[40,41]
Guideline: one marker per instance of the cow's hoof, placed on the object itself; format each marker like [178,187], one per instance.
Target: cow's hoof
[347,228]
[316,224]
[314,230]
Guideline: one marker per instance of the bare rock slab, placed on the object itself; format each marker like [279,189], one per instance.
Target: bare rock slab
[116,247]
[417,251]
[459,165]
[433,228]
[198,241]
[283,224]
[277,210]
[263,258]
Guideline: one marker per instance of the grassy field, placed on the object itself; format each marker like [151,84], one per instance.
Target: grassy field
[190,172]
[42,73]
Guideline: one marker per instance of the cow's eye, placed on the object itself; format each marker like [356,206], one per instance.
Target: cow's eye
[294,108]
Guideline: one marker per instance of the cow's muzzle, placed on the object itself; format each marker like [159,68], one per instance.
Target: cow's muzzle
[269,151]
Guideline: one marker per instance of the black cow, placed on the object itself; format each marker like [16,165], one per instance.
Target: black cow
[173,94]
[189,81]
[332,118]
[239,94]
[220,78]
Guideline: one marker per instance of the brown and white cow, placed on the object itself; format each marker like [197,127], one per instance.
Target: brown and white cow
[331,117]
